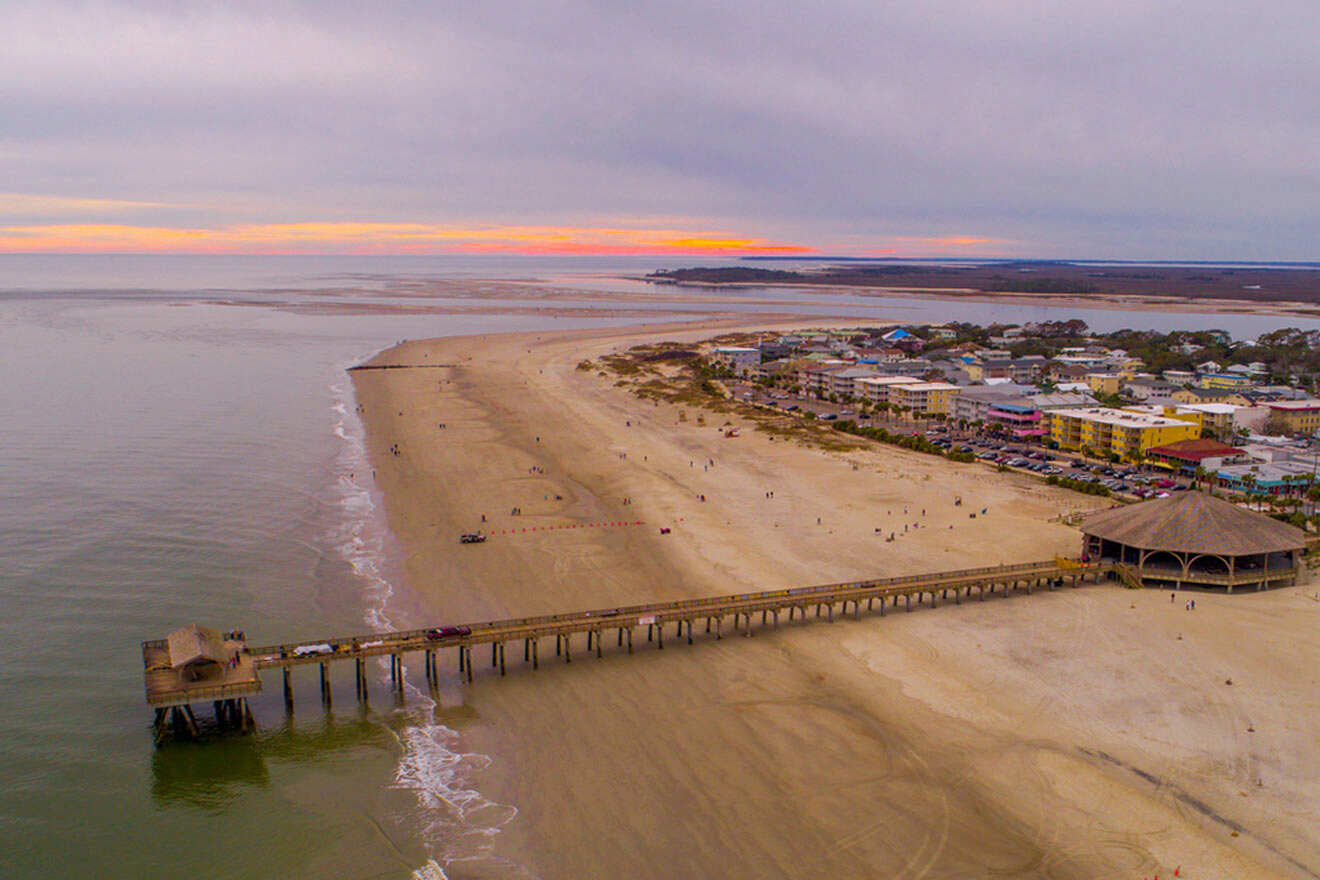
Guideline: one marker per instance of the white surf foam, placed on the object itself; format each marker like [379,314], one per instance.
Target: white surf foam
[457,822]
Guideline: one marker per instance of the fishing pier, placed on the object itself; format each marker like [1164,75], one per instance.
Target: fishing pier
[196,664]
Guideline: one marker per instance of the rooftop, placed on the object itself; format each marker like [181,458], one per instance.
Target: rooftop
[1294,405]
[1221,409]
[1194,522]
[890,380]
[930,386]
[1120,417]
[1196,450]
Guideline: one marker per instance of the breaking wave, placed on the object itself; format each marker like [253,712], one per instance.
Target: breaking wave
[455,822]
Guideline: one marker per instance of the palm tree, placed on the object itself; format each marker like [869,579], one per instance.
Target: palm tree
[1249,480]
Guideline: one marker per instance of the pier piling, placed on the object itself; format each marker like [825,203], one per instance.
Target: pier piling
[170,693]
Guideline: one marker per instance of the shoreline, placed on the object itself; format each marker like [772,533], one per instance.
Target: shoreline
[1107,302]
[985,721]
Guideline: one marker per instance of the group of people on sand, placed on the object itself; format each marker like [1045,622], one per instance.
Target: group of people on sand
[957,502]
[1189,605]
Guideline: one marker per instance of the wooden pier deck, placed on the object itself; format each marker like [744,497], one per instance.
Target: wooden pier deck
[166,689]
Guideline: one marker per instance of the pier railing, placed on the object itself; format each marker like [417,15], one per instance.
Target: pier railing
[375,644]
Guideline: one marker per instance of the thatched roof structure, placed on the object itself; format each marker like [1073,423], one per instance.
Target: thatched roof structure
[1194,522]
[195,644]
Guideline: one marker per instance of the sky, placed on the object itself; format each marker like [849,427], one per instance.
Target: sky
[976,128]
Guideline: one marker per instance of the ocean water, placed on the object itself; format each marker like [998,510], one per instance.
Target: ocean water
[168,459]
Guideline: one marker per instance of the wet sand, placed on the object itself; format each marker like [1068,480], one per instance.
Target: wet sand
[1065,734]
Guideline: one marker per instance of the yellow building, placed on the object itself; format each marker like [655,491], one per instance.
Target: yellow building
[1217,419]
[924,397]
[1121,432]
[1219,395]
[1103,383]
[1227,381]
[1183,413]
[1295,416]
[879,389]
[1128,369]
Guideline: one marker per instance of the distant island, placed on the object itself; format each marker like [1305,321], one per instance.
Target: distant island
[1251,284]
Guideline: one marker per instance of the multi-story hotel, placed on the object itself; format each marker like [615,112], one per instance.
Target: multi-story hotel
[1114,430]
[924,397]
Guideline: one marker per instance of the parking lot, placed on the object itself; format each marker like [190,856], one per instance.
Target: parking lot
[988,446]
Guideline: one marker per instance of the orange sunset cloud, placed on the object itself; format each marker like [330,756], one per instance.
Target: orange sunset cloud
[366,238]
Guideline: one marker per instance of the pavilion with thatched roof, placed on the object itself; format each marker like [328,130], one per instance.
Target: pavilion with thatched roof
[197,652]
[1196,540]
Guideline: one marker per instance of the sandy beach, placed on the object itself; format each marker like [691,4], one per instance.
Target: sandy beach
[1071,734]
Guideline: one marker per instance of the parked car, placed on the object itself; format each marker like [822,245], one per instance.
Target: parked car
[311,650]
[471,538]
[448,632]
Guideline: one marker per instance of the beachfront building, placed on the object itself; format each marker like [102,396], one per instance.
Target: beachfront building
[1280,478]
[1019,420]
[924,397]
[876,389]
[739,359]
[1188,455]
[1061,400]
[817,375]
[973,404]
[1121,432]
[843,383]
[1192,539]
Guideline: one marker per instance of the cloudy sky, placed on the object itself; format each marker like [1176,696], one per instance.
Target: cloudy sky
[1126,129]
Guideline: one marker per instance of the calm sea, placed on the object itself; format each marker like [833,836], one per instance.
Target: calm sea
[167,459]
